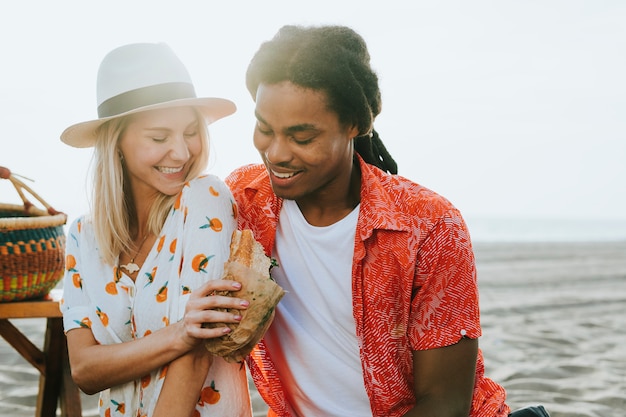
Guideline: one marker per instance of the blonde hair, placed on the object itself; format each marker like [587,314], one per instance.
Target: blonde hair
[112,208]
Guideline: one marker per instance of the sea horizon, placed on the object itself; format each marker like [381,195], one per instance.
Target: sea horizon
[519,229]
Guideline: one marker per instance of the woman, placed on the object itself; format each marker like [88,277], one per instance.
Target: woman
[142,268]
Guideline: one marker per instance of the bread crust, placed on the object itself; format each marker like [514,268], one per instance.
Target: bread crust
[248,265]
[247,251]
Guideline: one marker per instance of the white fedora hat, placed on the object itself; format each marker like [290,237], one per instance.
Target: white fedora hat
[140,77]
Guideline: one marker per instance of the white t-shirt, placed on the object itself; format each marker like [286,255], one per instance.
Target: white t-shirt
[312,340]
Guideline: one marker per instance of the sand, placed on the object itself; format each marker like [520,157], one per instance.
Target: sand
[554,321]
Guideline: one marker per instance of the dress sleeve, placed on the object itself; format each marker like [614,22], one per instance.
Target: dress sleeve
[445,305]
[75,301]
[208,220]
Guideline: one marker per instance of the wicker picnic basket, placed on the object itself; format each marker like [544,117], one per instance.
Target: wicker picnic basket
[32,246]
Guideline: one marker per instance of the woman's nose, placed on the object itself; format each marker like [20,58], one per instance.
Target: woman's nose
[179,150]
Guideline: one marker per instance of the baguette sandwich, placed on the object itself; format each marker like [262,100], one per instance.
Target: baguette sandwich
[248,265]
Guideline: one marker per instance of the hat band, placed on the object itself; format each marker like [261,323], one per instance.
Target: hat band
[145,96]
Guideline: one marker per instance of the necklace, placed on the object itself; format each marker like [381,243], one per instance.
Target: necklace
[131,267]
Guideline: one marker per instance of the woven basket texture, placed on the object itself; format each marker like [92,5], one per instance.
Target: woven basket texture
[32,251]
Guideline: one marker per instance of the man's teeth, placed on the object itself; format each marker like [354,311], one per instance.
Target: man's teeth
[166,170]
[283,174]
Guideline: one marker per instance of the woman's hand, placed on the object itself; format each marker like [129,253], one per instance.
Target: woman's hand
[206,306]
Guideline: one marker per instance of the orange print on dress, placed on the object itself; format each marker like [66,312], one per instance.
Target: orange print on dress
[186,290]
[84,323]
[161,243]
[209,395]
[117,274]
[199,262]
[177,202]
[70,263]
[213,192]
[214,224]
[103,317]
[111,288]
[173,248]
[77,280]
[162,294]
[145,381]
[107,412]
[163,372]
[119,407]
[150,275]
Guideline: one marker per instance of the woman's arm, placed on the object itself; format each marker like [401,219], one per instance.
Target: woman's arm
[97,367]
[183,384]
[444,380]
[186,375]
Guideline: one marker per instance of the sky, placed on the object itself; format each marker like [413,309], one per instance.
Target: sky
[510,109]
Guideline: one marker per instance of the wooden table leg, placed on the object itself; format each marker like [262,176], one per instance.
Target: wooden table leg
[50,381]
[22,345]
[56,387]
[70,394]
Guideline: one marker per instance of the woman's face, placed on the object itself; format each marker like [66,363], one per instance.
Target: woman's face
[159,147]
[307,151]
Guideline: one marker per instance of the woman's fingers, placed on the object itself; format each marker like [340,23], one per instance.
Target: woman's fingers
[216,309]
[210,304]
[195,321]
[214,295]
[211,287]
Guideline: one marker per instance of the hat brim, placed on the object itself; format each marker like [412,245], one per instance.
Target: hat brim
[83,135]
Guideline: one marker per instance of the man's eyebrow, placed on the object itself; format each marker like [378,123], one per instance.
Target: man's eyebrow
[302,127]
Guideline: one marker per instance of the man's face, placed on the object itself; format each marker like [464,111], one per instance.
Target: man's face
[307,152]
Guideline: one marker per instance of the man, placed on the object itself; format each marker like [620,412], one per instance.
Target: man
[380,315]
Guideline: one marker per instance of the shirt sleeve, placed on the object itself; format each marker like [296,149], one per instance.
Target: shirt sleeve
[445,305]
[208,221]
[75,301]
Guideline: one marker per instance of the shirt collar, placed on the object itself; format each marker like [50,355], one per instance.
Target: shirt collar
[379,209]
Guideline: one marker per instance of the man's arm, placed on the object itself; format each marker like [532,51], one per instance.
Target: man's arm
[444,380]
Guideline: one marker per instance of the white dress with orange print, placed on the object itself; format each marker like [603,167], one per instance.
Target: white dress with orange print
[191,249]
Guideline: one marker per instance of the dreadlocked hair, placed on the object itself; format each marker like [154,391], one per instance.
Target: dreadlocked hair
[333,59]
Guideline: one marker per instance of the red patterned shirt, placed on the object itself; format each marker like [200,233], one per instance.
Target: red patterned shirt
[413,286]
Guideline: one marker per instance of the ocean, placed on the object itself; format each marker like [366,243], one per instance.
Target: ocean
[518,229]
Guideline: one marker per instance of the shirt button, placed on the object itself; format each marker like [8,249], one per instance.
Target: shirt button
[463,332]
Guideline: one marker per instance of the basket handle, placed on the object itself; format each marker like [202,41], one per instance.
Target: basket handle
[20,187]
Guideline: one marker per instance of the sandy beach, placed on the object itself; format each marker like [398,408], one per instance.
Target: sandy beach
[553,318]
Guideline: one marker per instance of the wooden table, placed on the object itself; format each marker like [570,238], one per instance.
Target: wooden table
[56,387]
